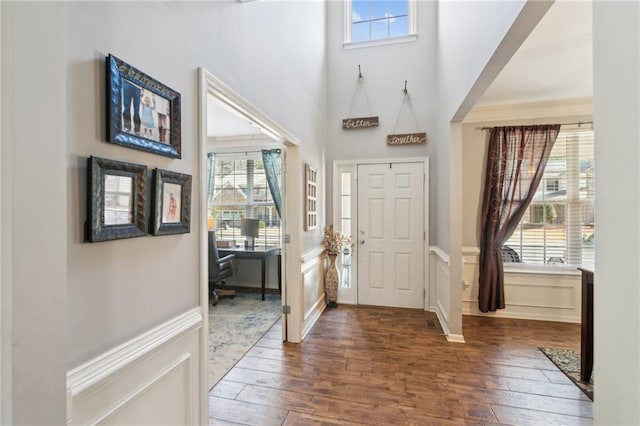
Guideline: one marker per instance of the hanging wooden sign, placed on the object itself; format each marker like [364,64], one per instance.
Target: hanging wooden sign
[359,123]
[407,139]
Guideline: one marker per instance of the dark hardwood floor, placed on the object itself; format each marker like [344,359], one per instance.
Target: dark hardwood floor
[386,366]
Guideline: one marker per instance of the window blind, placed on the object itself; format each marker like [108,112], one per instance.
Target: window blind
[558,227]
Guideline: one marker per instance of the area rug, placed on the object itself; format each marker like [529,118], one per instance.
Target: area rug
[568,361]
[235,325]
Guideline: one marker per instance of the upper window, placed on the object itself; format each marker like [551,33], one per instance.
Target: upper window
[371,22]
[558,227]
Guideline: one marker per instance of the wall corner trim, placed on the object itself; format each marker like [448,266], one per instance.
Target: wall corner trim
[92,372]
[454,338]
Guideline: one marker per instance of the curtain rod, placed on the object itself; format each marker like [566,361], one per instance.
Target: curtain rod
[240,152]
[579,123]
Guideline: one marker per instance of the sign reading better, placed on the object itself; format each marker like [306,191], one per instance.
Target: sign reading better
[359,123]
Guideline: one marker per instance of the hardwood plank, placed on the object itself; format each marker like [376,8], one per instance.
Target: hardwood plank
[519,416]
[229,410]
[218,422]
[295,418]
[267,342]
[353,393]
[371,413]
[226,389]
[557,377]
[545,403]
[484,381]
[365,365]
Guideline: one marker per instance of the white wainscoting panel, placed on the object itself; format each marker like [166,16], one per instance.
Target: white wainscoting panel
[151,379]
[439,280]
[312,270]
[553,295]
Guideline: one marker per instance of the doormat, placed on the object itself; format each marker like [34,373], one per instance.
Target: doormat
[568,361]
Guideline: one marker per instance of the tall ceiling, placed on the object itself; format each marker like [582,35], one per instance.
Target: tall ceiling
[554,63]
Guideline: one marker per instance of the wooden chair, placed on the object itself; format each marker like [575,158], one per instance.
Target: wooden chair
[219,269]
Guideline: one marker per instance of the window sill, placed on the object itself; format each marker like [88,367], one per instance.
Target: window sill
[522,268]
[382,42]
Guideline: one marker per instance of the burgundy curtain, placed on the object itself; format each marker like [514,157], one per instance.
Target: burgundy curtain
[516,160]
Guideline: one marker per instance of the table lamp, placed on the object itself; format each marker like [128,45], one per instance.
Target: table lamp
[249,228]
[211,223]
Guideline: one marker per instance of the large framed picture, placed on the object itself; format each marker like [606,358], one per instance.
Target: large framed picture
[142,113]
[116,200]
[171,203]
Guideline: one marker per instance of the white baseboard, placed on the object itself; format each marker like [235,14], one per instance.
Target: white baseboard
[151,378]
[442,320]
[455,338]
[313,315]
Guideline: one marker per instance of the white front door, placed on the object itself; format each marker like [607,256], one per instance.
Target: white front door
[391,234]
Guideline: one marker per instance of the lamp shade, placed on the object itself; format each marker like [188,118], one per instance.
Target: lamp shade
[250,227]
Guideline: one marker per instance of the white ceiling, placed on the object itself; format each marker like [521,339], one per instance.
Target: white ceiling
[555,62]
[223,122]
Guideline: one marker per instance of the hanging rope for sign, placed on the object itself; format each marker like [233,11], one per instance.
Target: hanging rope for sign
[406,138]
[359,122]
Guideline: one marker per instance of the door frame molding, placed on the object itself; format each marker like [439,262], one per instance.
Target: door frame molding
[354,194]
[292,220]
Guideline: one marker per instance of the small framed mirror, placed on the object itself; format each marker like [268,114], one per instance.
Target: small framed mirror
[116,200]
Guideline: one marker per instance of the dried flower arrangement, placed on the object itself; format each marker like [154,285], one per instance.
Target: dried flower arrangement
[334,242]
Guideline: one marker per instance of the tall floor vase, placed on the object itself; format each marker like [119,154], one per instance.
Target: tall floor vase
[331,281]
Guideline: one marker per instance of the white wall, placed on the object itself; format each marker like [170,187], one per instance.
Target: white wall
[79,300]
[385,68]
[34,136]
[154,287]
[458,68]
[617,293]
[467,62]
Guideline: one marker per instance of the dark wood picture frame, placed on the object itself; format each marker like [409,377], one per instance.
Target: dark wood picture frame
[171,211]
[113,215]
[152,122]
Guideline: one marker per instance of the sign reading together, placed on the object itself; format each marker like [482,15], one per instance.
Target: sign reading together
[407,139]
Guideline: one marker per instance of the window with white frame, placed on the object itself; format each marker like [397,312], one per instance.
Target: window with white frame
[558,227]
[346,220]
[241,191]
[374,21]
